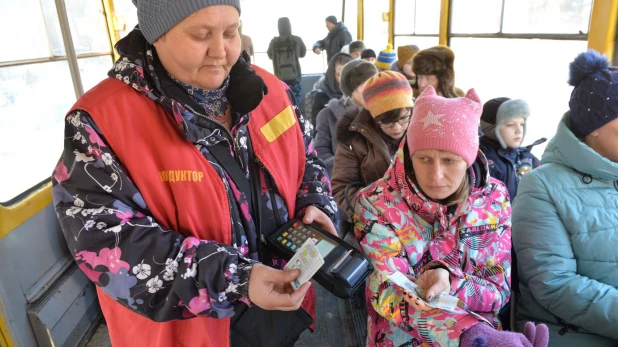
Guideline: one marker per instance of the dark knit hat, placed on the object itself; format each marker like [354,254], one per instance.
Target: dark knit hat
[499,110]
[156,17]
[354,74]
[357,46]
[439,61]
[368,53]
[594,100]
[332,19]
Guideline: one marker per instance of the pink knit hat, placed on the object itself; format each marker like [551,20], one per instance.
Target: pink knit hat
[446,124]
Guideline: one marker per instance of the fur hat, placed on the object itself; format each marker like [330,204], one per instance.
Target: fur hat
[332,19]
[439,61]
[499,110]
[386,58]
[594,100]
[405,54]
[446,124]
[386,91]
[354,74]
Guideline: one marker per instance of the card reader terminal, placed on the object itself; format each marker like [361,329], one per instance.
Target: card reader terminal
[345,268]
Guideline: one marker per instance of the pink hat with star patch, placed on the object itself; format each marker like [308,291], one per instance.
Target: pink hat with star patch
[446,124]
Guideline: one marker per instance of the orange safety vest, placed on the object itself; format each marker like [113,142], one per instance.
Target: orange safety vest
[183,191]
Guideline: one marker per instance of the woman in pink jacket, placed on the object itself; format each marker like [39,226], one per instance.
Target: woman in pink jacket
[438,218]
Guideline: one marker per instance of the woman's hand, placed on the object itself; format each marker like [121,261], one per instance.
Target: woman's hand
[269,288]
[434,281]
[315,215]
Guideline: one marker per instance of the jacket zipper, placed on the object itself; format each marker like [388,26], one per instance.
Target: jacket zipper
[220,125]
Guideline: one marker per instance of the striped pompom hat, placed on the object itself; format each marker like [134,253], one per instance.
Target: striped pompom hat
[386,58]
[386,91]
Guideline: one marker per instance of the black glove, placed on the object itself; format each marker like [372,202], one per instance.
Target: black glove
[246,89]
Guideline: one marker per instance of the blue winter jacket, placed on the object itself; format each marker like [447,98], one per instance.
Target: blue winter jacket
[508,165]
[565,234]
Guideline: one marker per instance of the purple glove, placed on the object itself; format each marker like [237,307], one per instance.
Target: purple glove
[482,335]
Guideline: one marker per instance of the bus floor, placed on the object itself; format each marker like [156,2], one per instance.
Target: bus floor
[334,325]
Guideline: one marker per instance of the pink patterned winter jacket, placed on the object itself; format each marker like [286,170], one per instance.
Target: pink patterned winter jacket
[401,229]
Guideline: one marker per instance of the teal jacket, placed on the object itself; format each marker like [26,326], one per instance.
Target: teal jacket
[565,234]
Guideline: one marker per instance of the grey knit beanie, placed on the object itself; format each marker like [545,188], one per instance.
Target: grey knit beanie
[156,17]
[499,110]
[354,74]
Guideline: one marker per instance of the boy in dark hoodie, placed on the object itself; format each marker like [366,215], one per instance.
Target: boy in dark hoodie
[285,51]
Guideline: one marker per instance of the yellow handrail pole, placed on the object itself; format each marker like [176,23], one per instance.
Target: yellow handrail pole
[360,19]
[391,22]
[603,26]
[114,36]
[444,20]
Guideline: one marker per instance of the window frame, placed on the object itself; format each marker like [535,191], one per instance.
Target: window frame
[501,35]
[26,197]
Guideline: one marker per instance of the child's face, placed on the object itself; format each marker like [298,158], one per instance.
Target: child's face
[512,131]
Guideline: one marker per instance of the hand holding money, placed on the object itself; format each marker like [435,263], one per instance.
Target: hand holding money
[434,281]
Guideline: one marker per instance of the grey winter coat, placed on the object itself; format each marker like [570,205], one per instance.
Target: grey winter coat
[326,138]
[334,41]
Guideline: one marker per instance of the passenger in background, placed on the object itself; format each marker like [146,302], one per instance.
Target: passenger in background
[161,196]
[353,76]
[504,126]
[435,67]
[356,49]
[403,65]
[369,55]
[565,229]
[338,36]
[369,139]
[246,44]
[327,87]
[386,58]
[285,51]
[439,218]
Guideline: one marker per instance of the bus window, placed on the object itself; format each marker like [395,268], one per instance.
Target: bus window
[531,64]
[36,89]
[414,18]
[308,22]
[547,16]
[468,19]
[376,29]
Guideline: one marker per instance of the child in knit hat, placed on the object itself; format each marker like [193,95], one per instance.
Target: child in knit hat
[434,204]
[386,58]
[405,55]
[369,139]
[356,49]
[504,123]
[353,76]
[369,55]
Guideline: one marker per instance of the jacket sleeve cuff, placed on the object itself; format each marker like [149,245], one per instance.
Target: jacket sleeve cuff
[244,272]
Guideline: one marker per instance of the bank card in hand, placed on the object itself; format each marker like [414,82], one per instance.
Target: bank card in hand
[308,260]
